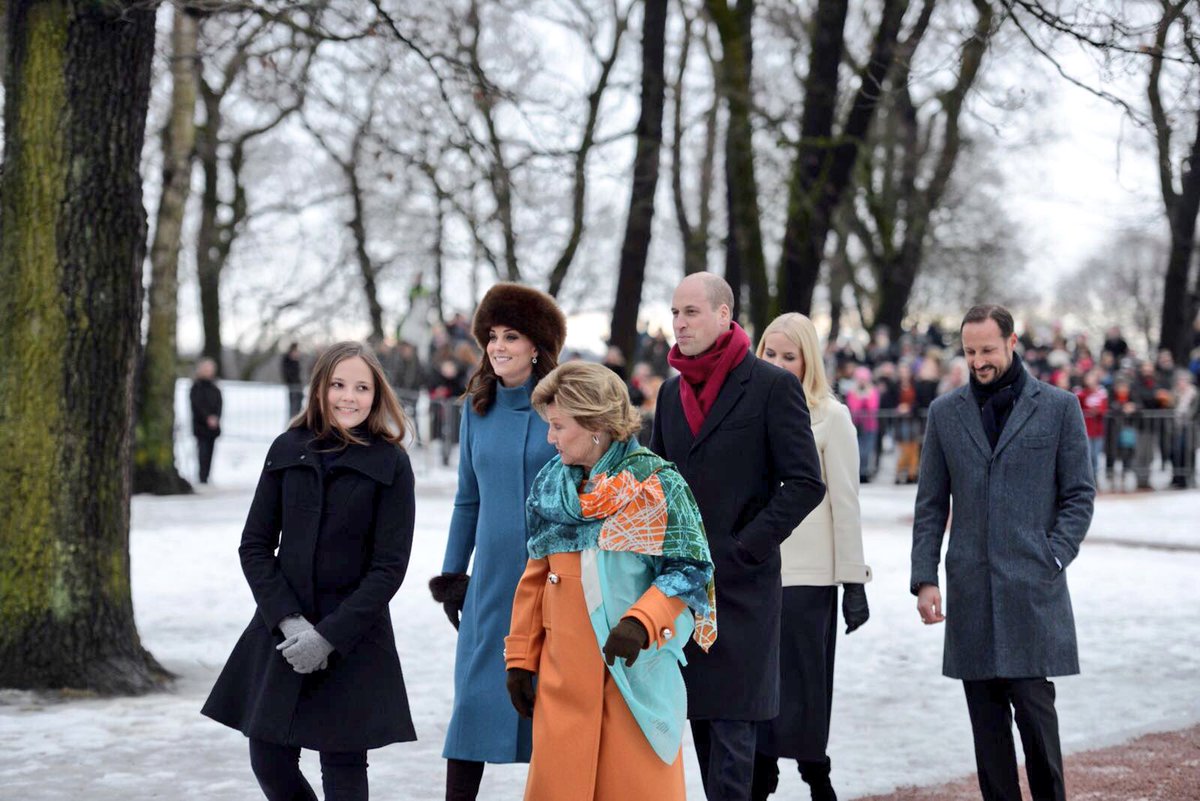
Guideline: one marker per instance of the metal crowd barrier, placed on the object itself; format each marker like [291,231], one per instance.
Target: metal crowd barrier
[1145,450]
[255,413]
[1139,451]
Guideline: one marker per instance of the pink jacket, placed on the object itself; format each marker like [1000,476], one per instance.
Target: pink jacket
[864,409]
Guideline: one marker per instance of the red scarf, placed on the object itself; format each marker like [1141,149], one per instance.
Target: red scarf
[703,376]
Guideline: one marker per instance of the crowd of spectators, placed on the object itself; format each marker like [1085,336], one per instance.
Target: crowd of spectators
[1140,409]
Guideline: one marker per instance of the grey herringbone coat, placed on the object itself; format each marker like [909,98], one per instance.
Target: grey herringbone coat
[1015,510]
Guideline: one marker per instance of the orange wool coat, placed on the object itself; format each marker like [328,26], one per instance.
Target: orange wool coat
[587,746]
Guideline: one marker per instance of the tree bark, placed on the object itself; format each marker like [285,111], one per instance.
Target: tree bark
[744,259]
[823,169]
[218,231]
[1179,306]
[899,274]
[154,451]
[639,225]
[498,172]
[367,269]
[694,238]
[210,250]
[72,244]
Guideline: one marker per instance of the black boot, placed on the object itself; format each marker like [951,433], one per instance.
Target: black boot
[766,777]
[462,779]
[816,776]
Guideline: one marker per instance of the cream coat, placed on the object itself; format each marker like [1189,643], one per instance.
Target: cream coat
[826,548]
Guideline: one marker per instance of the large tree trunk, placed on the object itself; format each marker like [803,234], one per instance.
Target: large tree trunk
[639,226]
[1179,305]
[72,243]
[154,451]
[694,238]
[210,251]
[744,258]
[899,276]
[366,267]
[1182,206]
[824,164]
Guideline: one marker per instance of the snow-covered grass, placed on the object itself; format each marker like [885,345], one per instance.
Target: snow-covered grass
[896,719]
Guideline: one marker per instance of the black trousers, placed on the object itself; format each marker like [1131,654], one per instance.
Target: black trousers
[992,704]
[204,452]
[277,768]
[725,750]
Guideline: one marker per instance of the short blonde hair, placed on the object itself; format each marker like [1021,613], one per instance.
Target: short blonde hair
[593,395]
[801,332]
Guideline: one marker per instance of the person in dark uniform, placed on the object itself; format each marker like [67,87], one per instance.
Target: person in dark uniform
[290,367]
[206,402]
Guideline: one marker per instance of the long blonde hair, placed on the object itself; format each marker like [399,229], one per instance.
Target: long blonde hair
[801,332]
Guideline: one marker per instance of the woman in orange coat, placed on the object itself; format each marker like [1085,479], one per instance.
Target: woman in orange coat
[619,565]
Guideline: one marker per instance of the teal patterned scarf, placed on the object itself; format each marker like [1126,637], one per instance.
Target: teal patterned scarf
[632,501]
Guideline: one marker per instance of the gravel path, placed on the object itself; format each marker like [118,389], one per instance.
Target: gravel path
[1156,767]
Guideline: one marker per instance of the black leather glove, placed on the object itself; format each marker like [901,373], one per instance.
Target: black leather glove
[854,606]
[520,690]
[626,640]
[450,590]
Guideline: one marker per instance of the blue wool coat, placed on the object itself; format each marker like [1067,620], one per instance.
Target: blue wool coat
[500,453]
[1017,508]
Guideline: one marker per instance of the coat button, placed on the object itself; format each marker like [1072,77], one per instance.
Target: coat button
[667,634]
[553,578]
[302,456]
[268,463]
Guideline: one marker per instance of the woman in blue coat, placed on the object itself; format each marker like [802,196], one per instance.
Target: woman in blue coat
[502,446]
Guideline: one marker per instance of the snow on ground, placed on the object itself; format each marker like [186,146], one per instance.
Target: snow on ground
[896,719]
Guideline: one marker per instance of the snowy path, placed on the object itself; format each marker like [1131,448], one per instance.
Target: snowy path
[896,720]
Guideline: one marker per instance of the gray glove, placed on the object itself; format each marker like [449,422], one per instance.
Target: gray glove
[293,625]
[307,651]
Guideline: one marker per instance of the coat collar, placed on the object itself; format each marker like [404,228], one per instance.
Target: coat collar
[731,392]
[295,448]
[968,412]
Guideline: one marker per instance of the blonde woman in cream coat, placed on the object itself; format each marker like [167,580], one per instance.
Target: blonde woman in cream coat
[824,551]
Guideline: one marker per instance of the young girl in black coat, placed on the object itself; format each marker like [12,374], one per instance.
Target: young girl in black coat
[325,547]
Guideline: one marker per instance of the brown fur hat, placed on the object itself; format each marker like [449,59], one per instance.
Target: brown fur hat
[530,311]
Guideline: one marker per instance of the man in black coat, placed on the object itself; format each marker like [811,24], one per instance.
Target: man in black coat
[206,403]
[738,429]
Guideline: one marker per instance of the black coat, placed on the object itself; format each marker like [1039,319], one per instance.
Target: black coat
[754,471]
[205,397]
[342,554]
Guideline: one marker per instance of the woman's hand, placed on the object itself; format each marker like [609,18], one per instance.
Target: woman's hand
[450,590]
[520,690]
[306,652]
[854,606]
[626,640]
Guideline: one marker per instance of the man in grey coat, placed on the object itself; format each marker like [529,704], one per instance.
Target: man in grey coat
[1011,454]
